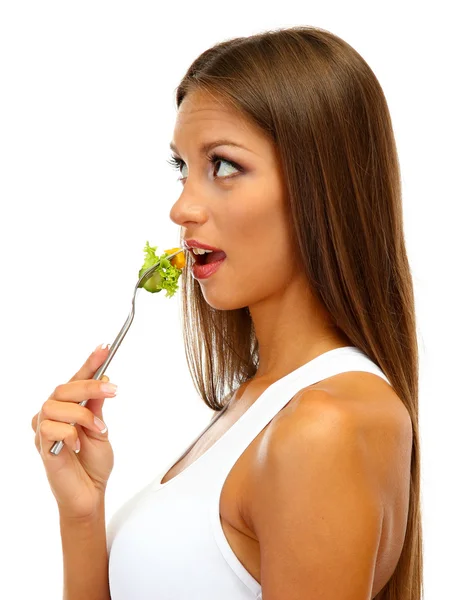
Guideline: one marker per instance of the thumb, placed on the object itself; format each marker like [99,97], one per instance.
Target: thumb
[92,364]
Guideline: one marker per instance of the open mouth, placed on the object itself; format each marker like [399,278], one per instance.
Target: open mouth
[208,257]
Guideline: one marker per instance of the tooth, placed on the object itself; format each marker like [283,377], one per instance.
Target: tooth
[200,251]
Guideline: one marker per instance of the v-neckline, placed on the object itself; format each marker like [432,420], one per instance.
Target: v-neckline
[158,485]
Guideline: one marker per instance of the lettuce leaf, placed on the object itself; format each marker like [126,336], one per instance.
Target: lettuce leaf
[164,277]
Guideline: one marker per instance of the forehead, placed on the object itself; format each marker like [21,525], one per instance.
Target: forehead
[202,112]
[202,119]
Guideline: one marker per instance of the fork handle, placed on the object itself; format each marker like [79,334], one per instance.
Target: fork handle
[57,446]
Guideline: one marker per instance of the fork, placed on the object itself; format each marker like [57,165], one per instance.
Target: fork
[57,446]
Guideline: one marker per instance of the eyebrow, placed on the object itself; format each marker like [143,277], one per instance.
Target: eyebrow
[207,146]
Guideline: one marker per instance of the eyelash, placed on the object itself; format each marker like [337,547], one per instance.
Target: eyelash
[213,158]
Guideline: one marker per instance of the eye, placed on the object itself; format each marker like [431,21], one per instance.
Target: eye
[178,163]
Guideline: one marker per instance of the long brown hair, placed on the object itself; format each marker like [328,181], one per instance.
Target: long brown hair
[326,114]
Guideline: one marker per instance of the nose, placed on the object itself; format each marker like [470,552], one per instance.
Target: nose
[188,210]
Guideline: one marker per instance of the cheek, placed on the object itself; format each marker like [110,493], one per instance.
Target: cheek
[257,219]
[260,261]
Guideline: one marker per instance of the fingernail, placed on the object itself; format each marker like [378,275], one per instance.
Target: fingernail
[108,388]
[101,347]
[100,425]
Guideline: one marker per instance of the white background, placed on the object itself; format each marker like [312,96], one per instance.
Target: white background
[86,116]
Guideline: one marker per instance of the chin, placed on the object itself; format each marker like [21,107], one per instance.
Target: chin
[225,297]
[223,301]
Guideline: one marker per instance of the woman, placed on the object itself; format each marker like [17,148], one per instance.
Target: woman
[300,334]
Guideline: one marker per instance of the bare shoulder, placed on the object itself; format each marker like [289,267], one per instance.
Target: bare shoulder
[317,420]
[320,490]
[356,401]
[357,413]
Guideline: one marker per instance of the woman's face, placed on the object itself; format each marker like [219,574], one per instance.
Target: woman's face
[241,211]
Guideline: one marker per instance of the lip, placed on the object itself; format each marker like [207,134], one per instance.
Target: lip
[189,244]
[205,271]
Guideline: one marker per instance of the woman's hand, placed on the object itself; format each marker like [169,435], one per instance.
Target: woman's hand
[78,481]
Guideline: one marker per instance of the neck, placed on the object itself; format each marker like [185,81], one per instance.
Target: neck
[292,328]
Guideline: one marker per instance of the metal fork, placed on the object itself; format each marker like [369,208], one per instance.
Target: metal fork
[57,446]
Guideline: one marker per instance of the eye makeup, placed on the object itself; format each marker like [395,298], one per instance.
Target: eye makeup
[213,158]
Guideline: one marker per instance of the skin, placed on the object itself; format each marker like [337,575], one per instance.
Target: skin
[245,215]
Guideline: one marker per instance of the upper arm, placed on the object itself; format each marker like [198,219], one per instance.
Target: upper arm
[316,509]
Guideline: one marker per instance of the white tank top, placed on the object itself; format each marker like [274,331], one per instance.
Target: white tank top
[167,542]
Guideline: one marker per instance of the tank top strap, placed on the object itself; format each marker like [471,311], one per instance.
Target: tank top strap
[278,394]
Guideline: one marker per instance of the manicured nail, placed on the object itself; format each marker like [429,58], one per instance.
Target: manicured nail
[100,425]
[101,347]
[78,446]
[108,388]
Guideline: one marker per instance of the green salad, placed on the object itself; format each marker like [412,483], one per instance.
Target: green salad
[166,275]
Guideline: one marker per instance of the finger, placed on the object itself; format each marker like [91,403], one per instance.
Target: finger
[95,405]
[34,421]
[92,364]
[78,391]
[62,412]
[50,432]
[95,397]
